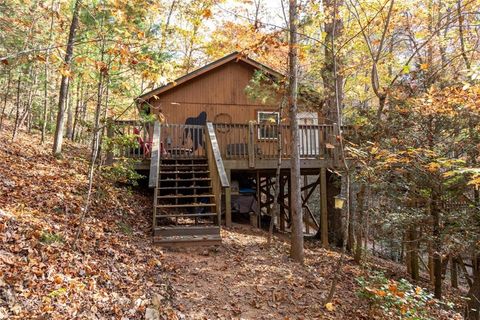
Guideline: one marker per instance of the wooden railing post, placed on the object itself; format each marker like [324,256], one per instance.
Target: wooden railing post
[251,144]
[155,156]
[110,132]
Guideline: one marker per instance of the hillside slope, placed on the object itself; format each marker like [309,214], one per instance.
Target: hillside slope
[115,272]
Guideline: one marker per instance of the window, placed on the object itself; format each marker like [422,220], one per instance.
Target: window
[268,124]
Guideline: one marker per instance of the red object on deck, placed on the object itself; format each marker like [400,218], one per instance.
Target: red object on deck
[146,146]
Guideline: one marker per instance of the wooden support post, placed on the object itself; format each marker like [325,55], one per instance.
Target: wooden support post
[259,199]
[290,199]
[323,208]
[305,195]
[282,203]
[251,144]
[228,202]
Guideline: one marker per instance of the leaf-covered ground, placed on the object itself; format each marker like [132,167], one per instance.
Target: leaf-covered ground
[113,273]
[116,273]
[247,279]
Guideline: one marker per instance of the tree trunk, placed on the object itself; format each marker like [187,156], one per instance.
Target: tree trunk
[453,272]
[17,114]
[412,246]
[437,248]
[45,88]
[276,205]
[359,223]
[58,138]
[461,34]
[296,250]
[77,110]
[5,98]
[332,80]
[351,231]
[69,114]
[333,85]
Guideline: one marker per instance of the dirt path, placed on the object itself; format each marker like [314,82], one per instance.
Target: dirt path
[243,279]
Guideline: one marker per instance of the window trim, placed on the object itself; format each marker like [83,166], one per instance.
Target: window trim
[259,137]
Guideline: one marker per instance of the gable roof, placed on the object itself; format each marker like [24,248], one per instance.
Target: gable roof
[237,56]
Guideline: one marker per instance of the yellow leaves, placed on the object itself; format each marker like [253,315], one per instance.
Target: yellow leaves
[418,290]
[66,71]
[433,167]
[329,306]
[474,182]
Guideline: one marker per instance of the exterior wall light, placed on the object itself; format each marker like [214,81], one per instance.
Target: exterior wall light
[339,202]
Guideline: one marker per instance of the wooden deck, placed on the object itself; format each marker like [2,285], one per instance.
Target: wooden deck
[190,168]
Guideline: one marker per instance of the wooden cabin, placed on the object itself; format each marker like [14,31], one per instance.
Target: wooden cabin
[211,145]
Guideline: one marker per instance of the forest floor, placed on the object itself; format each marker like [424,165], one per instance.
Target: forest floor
[114,272]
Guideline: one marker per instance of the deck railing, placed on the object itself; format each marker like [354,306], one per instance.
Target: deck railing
[128,139]
[236,141]
[260,141]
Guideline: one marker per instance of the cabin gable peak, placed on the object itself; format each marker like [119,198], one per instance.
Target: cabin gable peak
[234,56]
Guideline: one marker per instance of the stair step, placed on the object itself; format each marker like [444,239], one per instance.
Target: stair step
[185,196]
[188,205]
[180,241]
[184,165]
[169,231]
[184,188]
[185,172]
[184,180]
[187,215]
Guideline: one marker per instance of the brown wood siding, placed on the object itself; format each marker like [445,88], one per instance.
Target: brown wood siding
[219,91]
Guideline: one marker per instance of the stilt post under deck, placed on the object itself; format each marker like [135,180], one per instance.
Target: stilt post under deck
[305,195]
[281,196]
[323,208]
[290,199]
[259,199]
[228,202]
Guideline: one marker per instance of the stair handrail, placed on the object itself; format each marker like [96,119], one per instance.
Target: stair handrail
[213,143]
[220,183]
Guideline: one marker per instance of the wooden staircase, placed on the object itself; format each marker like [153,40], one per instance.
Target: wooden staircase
[185,209]
[188,191]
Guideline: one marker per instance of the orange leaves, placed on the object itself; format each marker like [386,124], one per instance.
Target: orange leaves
[376,292]
[451,101]
[207,13]
[58,279]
